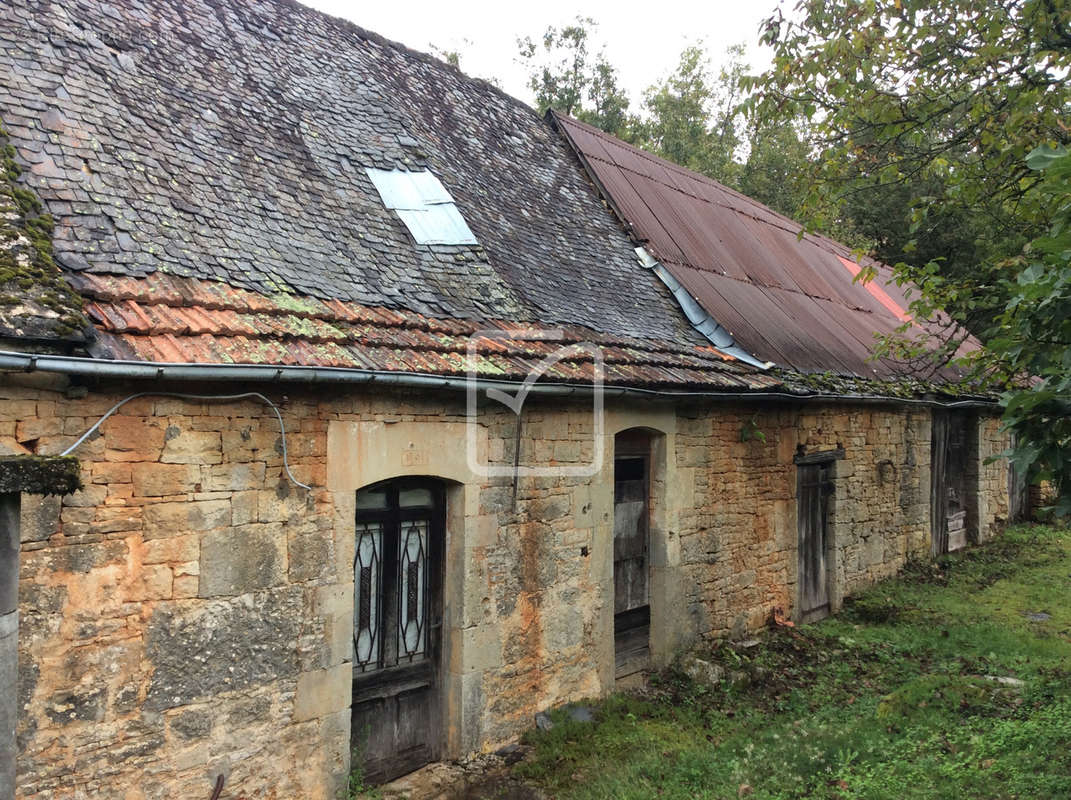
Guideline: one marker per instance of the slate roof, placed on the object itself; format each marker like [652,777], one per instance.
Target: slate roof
[36,304]
[204,164]
[784,295]
[227,141]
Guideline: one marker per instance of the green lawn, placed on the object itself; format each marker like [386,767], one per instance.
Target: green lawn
[895,698]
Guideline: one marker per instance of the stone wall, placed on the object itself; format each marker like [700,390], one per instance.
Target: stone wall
[993,485]
[188,614]
[178,614]
[739,536]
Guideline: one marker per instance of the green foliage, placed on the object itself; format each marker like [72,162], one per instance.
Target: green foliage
[902,707]
[1032,338]
[750,431]
[924,113]
[691,116]
[941,99]
[566,76]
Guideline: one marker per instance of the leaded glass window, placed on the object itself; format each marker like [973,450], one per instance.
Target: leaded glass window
[412,560]
[366,586]
[399,531]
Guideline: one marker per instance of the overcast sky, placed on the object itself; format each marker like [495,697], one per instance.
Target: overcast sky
[643,46]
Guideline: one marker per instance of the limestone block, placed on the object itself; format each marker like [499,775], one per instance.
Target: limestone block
[139,437]
[481,648]
[563,623]
[335,606]
[197,651]
[239,560]
[177,518]
[159,480]
[152,582]
[171,550]
[109,472]
[309,556]
[323,692]
[92,495]
[244,507]
[482,531]
[39,517]
[235,477]
[192,447]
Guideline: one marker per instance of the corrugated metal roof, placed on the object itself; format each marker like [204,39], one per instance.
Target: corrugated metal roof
[784,297]
[169,319]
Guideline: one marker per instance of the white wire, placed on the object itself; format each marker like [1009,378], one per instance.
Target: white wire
[242,396]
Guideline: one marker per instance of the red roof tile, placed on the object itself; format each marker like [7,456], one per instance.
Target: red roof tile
[169,319]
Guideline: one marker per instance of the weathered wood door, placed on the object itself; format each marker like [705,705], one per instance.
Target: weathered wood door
[397,624]
[950,449]
[814,499]
[632,612]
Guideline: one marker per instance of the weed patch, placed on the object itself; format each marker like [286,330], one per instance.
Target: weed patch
[951,681]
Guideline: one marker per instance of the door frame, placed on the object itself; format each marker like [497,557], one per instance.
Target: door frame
[371,684]
[634,447]
[827,499]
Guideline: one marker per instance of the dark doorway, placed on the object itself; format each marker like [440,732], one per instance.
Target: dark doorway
[814,515]
[953,464]
[632,610]
[397,625]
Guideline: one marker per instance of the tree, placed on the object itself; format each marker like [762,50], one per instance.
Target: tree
[777,162]
[566,76]
[691,116]
[1032,337]
[934,105]
[929,105]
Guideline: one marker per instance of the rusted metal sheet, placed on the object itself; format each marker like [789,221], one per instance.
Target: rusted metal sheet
[784,298]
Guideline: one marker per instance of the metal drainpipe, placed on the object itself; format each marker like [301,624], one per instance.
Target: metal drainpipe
[9,638]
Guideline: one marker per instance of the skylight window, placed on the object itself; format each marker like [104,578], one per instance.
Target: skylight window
[423,204]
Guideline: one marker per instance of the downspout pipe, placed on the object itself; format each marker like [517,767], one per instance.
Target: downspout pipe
[9,638]
[246,373]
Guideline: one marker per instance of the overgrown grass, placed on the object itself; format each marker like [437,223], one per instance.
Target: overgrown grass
[897,697]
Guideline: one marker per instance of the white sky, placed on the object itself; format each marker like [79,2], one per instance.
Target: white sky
[643,44]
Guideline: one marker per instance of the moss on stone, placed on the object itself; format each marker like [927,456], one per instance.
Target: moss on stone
[40,474]
[35,276]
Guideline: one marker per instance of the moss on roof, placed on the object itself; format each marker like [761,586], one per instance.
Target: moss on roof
[35,301]
[893,388]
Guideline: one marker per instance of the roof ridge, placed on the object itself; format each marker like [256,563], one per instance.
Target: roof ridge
[648,155]
[420,55]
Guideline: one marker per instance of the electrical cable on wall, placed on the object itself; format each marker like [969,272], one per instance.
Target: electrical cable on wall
[208,397]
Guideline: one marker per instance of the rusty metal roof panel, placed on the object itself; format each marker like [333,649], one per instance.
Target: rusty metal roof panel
[785,298]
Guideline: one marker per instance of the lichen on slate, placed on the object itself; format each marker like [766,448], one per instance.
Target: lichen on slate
[35,301]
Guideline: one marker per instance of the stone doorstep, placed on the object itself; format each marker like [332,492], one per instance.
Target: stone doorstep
[479,776]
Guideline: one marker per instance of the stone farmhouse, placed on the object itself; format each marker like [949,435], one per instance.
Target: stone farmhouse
[303,274]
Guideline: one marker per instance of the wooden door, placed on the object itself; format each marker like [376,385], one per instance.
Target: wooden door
[814,499]
[632,612]
[397,625]
[950,451]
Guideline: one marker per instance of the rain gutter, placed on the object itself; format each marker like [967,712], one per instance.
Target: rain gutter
[283,375]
